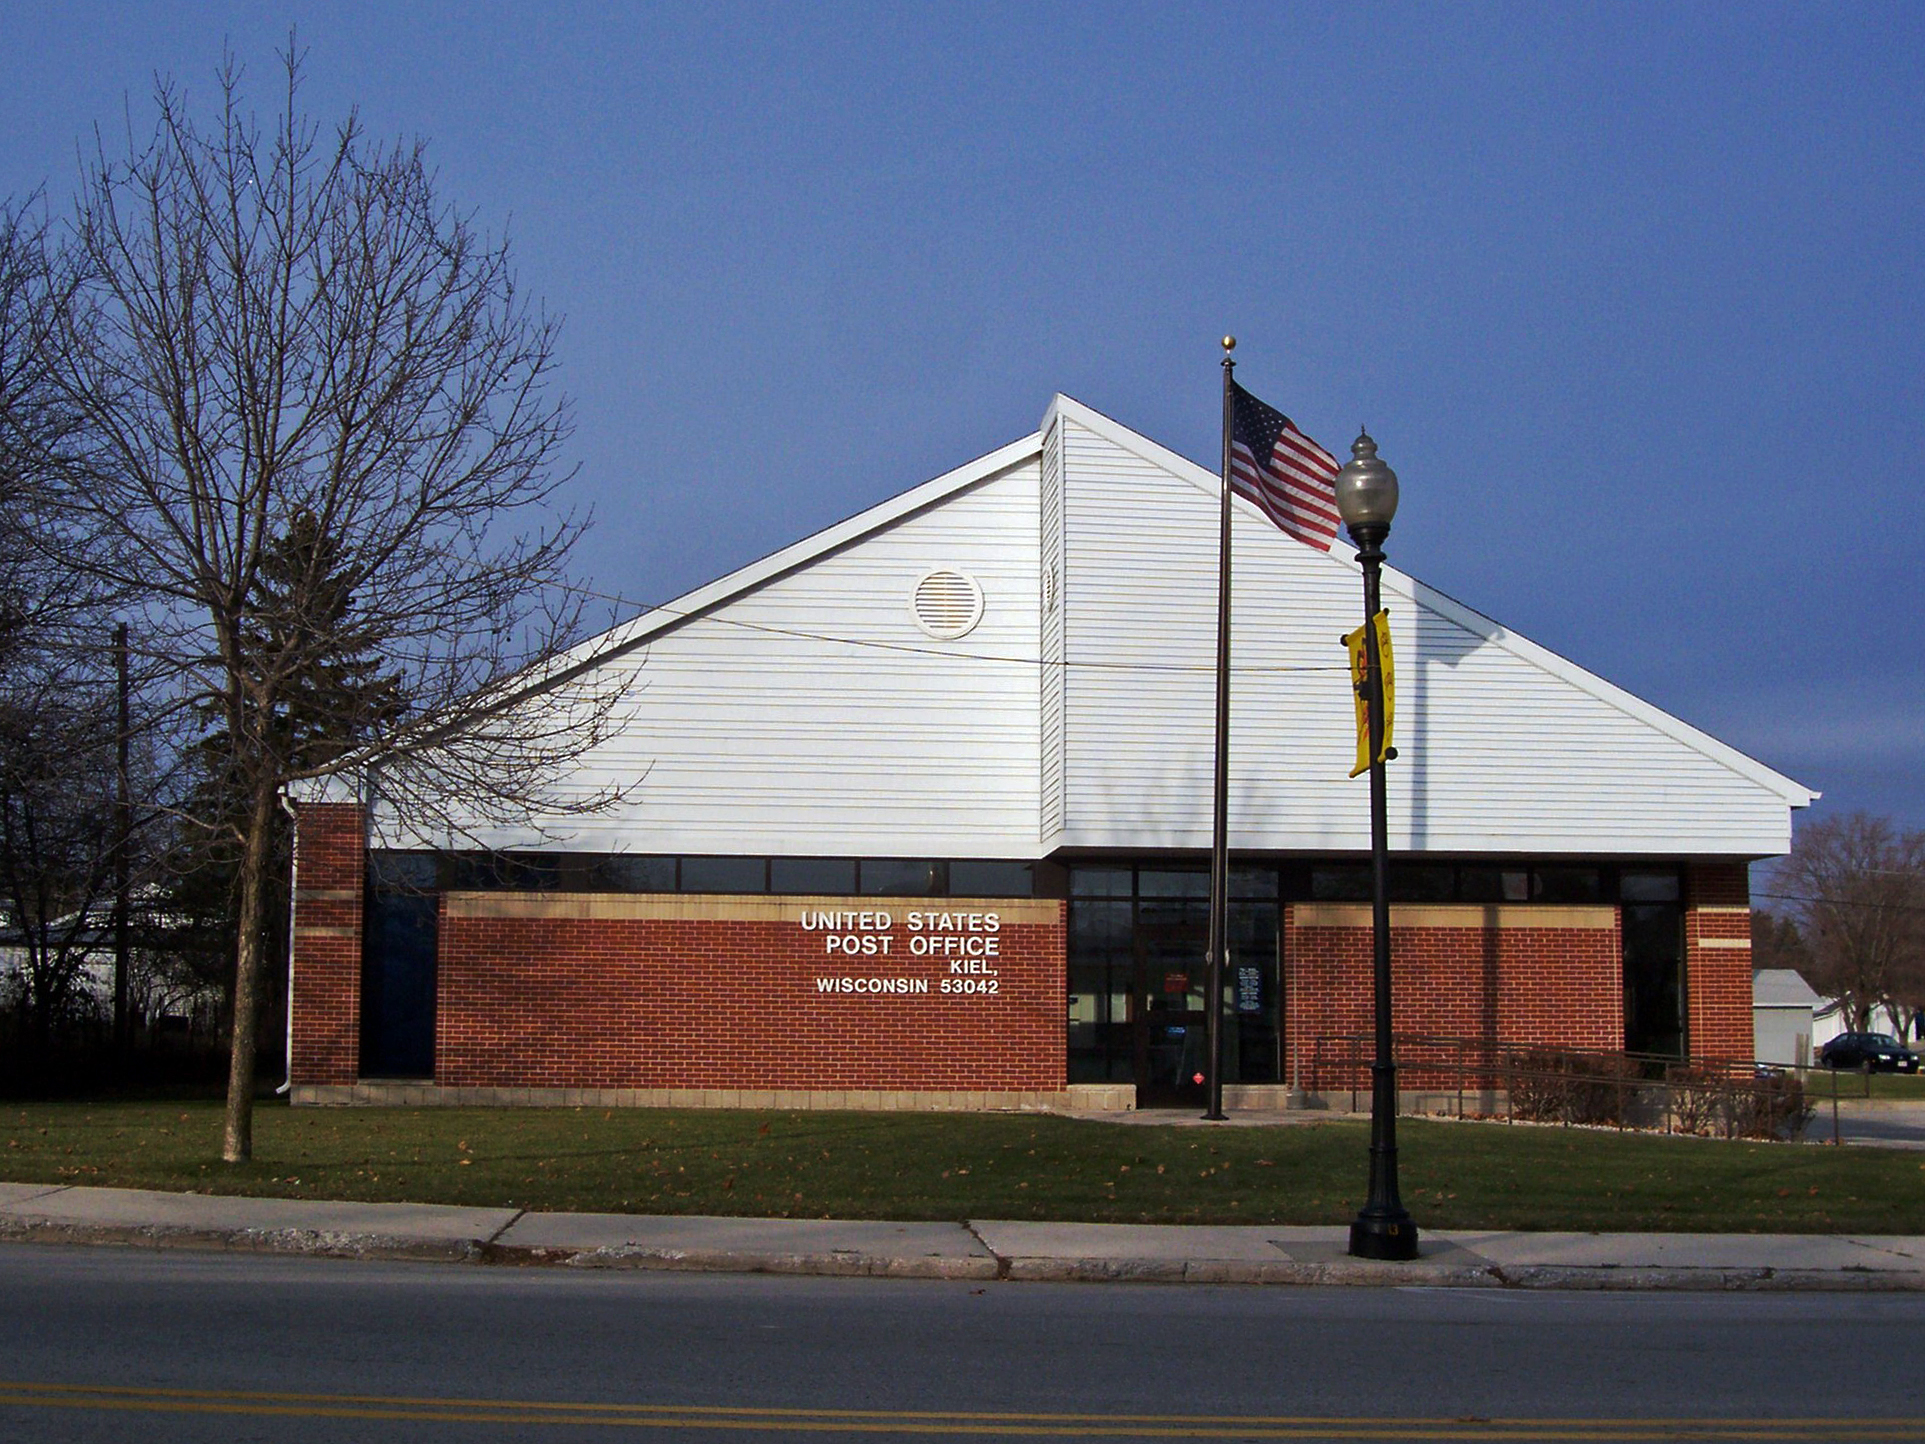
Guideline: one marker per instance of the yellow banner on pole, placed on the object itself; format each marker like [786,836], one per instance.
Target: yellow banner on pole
[1360,688]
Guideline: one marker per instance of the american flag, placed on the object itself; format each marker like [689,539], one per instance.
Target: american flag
[1283,471]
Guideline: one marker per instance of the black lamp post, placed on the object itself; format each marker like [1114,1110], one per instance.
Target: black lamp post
[1367,500]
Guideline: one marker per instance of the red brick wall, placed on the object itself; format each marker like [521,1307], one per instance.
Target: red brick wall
[1718,979]
[721,992]
[559,990]
[326,1000]
[1560,985]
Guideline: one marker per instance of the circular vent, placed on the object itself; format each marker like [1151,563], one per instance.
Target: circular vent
[947,605]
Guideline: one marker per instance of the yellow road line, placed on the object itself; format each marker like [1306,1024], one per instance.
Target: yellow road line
[419,1409]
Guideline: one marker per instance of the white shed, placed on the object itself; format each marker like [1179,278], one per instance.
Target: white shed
[1781,1014]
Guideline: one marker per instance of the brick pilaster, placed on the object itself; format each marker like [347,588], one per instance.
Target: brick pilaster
[1717,939]
[330,869]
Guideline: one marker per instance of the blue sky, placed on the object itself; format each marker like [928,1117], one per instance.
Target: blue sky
[1629,294]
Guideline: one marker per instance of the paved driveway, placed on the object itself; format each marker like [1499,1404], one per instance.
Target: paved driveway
[1885,1122]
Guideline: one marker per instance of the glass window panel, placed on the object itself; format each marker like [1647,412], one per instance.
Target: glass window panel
[403,871]
[1099,929]
[1253,882]
[1253,929]
[1251,1052]
[578,872]
[502,872]
[1348,882]
[1654,978]
[531,872]
[1423,883]
[1089,990]
[1158,882]
[1088,1066]
[970,877]
[1567,885]
[1173,912]
[1648,887]
[902,877]
[833,875]
[725,874]
[466,872]
[1097,1027]
[1493,884]
[1480,884]
[1082,1021]
[623,873]
[1099,882]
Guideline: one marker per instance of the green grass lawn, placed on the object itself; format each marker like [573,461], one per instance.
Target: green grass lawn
[1820,1083]
[955,1166]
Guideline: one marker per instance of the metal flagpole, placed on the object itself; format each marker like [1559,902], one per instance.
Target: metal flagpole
[1220,819]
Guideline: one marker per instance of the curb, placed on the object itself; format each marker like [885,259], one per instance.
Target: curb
[975,1269]
[320,1243]
[1604,1278]
[841,1263]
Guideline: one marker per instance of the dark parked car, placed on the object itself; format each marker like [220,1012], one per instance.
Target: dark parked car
[1881,1052]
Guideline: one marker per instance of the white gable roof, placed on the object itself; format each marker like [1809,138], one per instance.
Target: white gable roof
[1782,988]
[793,708]
[705,599]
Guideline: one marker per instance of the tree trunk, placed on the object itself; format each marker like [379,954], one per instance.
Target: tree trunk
[237,1142]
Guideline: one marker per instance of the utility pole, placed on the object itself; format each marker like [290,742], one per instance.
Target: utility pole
[123,834]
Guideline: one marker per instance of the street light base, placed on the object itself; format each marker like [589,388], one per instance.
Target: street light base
[1383,1236]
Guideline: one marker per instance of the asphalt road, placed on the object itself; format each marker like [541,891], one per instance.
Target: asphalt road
[1887,1127]
[99,1344]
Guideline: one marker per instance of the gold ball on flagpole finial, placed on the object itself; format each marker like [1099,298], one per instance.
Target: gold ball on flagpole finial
[1229,343]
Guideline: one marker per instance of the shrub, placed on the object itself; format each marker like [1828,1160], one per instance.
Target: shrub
[1548,1085]
[1708,1101]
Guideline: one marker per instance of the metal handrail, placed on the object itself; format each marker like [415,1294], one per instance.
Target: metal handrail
[1539,1082]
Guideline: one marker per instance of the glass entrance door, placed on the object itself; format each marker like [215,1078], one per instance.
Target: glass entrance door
[1136,979]
[1169,1017]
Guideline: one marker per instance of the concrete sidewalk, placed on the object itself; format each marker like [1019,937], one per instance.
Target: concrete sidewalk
[978,1250]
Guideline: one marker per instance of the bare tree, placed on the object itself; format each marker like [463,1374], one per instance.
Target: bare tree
[1776,942]
[57,741]
[279,331]
[1855,886]
[27,403]
[1905,993]
[58,839]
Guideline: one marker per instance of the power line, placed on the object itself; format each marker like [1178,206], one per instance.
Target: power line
[918,650]
[831,639]
[1839,902]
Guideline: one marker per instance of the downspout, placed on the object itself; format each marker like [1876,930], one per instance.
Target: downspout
[293,893]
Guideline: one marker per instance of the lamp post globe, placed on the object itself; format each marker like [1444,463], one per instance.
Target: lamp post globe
[1367,501]
[1366,492]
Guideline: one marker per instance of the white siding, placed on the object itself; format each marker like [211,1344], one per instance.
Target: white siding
[811,715]
[1497,753]
[799,710]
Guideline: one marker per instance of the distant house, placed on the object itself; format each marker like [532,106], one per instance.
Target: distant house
[88,942]
[170,999]
[1782,1007]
